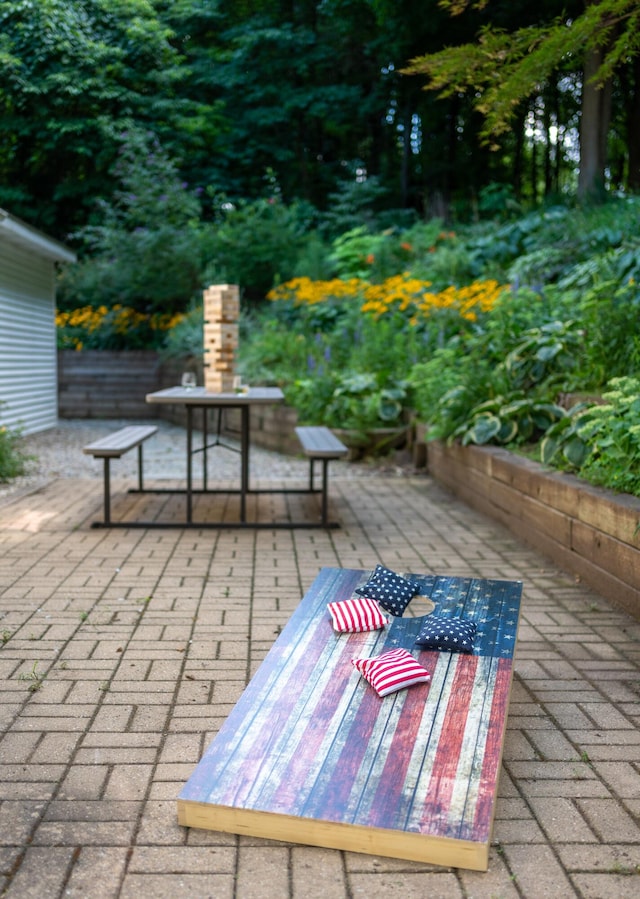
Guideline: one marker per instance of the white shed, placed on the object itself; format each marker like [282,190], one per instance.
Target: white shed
[28,359]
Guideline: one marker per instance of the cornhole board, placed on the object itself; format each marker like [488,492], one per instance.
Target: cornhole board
[310,754]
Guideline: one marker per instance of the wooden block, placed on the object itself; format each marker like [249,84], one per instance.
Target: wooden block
[311,754]
[221,300]
[217,381]
[220,335]
[225,332]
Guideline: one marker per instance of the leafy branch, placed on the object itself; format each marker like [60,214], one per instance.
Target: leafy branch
[527,57]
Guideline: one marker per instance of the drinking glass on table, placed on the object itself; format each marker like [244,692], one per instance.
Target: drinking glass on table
[238,386]
[189,380]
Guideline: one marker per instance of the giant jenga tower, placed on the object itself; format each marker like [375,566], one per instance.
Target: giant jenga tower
[221,313]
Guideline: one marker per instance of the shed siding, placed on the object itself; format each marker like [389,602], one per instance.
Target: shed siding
[28,359]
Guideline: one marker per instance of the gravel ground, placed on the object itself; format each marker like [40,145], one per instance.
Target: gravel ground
[57,453]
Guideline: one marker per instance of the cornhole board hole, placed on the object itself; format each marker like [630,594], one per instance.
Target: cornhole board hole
[311,754]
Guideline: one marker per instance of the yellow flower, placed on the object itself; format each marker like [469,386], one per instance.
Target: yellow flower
[400,293]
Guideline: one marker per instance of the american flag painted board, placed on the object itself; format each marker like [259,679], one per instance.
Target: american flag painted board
[311,754]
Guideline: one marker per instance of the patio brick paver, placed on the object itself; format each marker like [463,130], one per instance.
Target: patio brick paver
[141,642]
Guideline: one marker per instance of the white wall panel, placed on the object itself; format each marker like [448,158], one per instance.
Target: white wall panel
[28,366]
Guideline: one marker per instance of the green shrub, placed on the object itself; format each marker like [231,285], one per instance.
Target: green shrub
[546,355]
[601,441]
[432,379]
[454,409]
[515,419]
[311,396]
[485,389]
[355,400]
[148,252]
[256,244]
[185,339]
[271,353]
[366,400]
[13,460]
[356,202]
[611,313]
[360,253]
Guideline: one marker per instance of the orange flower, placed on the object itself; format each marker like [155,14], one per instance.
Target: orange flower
[371,259]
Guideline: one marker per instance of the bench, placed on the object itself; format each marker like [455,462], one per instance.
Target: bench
[320,443]
[113,446]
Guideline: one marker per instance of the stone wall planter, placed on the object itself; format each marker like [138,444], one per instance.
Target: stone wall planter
[591,532]
[371,442]
[110,384]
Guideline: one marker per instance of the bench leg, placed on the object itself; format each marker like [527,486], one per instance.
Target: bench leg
[140,469]
[107,490]
[324,488]
[325,480]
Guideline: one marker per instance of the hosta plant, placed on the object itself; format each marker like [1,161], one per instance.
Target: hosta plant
[602,440]
[549,351]
[515,419]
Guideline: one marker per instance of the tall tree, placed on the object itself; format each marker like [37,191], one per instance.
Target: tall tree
[312,92]
[504,67]
[73,74]
[294,83]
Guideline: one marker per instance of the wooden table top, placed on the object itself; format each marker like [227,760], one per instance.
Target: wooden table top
[200,396]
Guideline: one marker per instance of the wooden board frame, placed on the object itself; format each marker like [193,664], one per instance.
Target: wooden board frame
[310,754]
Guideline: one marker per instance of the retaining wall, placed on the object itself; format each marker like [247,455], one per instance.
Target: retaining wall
[99,384]
[591,532]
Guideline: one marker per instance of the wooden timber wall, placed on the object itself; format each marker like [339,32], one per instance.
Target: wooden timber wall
[108,384]
[591,532]
[112,384]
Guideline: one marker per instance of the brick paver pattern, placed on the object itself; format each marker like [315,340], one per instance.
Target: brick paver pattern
[123,651]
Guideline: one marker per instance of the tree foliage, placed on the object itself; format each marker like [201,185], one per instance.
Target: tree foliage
[311,97]
[73,73]
[504,67]
[148,252]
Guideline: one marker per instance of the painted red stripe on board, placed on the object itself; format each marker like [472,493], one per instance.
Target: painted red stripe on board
[388,803]
[328,799]
[442,781]
[493,751]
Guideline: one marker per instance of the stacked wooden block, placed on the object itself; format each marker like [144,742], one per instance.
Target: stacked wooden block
[221,314]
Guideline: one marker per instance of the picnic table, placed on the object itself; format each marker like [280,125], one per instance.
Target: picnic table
[199,398]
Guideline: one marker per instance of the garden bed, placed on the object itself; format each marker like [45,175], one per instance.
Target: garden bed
[591,532]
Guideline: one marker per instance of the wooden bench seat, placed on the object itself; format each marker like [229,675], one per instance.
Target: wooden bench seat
[113,446]
[320,443]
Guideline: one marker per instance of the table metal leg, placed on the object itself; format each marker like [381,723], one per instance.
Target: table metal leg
[244,461]
[140,469]
[205,441]
[189,463]
[107,490]
[325,491]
